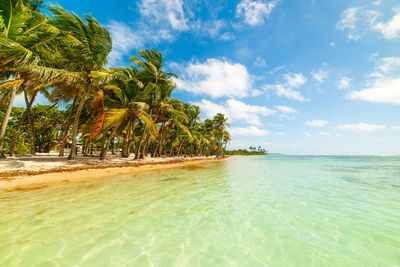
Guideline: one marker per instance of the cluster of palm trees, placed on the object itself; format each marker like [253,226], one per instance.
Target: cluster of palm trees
[63,56]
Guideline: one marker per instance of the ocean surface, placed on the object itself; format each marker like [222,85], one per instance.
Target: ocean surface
[246,211]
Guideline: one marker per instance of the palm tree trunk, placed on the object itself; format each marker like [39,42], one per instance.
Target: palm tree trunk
[144,149]
[180,147]
[139,146]
[31,132]
[66,129]
[19,126]
[104,149]
[72,153]
[5,120]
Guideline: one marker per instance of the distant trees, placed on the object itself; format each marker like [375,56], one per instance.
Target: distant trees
[252,151]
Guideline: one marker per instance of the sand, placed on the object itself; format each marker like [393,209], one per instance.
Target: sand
[34,172]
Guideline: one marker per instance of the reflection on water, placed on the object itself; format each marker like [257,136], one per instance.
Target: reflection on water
[274,210]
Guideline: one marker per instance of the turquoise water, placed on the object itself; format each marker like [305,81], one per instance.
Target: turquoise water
[245,211]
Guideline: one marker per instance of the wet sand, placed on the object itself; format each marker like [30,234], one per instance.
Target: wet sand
[41,171]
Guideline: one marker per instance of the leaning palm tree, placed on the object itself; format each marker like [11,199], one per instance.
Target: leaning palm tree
[84,47]
[126,107]
[23,32]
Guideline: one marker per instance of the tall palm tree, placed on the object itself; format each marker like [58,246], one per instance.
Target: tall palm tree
[83,53]
[23,31]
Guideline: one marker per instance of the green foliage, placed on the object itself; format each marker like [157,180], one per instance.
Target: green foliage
[252,151]
[47,126]
[22,145]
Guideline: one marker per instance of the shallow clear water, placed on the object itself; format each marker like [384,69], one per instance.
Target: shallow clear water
[245,211]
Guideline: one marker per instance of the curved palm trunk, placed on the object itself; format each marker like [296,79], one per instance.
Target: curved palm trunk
[144,150]
[66,129]
[139,146]
[5,121]
[72,154]
[19,126]
[104,149]
[31,132]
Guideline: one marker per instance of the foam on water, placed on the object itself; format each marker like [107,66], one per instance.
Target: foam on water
[246,211]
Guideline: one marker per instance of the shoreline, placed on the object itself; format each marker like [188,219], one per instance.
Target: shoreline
[26,180]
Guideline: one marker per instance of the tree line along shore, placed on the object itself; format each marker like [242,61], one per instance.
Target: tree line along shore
[52,53]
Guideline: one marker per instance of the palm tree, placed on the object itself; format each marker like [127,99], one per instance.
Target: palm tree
[125,102]
[220,123]
[83,53]
[23,30]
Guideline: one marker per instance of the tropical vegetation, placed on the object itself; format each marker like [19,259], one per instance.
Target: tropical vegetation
[93,109]
[251,152]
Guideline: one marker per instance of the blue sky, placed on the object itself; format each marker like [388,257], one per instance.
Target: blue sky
[297,77]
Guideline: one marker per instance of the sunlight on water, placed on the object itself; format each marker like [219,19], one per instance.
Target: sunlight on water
[246,211]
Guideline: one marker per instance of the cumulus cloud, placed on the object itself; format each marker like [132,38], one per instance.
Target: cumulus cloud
[361,127]
[248,131]
[216,78]
[235,110]
[391,28]
[320,75]
[317,123]
[254,12]
[384,86]
[381,91]
[344,82]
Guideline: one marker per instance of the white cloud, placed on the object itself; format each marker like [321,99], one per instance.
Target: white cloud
[260,62]
[381,91]
[384,87]
[356,21]
[324,133]
[344,82]
[216,78]
[347,23]
[320,75]
[361,127]
[248,131]
[307,134]
[390,29]
[332,44]
[124,40]
[235,110]
[295,80]
[256,92]
[389,64]
[255,11]
[165,11]
[317,123]
[280,133]
[286,109]
[292,81]
[227,36]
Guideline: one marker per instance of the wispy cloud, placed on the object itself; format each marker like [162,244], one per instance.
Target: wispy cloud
[344,82]
[361,127]
[254,12]
[249,131]
[286,89]
[357,21]
[320,75]
[316,123]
